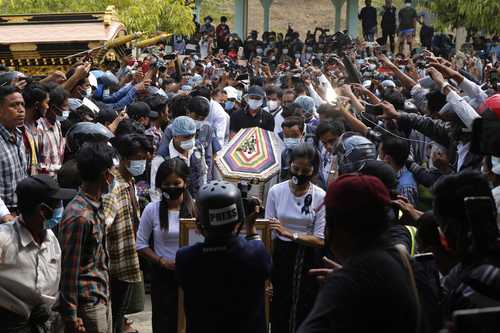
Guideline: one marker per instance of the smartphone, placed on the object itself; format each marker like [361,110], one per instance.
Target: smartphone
[486,137]
[374,109]
[481,216]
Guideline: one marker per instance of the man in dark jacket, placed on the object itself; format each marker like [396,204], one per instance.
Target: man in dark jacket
[388,24]
[368,17]
[373,288]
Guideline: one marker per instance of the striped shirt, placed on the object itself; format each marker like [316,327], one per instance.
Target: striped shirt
[123,205]
[85,259]
[50,146]
[13,165]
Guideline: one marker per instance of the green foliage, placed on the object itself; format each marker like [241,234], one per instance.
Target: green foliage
[472,14]
[137,15]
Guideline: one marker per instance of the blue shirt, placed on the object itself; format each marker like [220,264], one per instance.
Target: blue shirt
[223,284]
[407,186]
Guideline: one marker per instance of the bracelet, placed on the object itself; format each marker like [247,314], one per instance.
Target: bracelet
[445,85]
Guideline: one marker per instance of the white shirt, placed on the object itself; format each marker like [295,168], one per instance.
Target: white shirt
[496,196]
[37,267]
[166,243]
[462,151]
[283,205]
[3,209]
[278,121]
[219,120]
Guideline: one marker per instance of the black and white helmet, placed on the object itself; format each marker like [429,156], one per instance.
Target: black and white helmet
[353,150]
[220,206]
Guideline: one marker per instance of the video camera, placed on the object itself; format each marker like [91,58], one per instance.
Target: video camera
[250,204]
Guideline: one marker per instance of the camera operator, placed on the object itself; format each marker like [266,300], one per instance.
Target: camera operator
[223,278]
[466,214]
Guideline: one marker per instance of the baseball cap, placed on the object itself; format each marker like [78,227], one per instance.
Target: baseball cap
[140,109]
[355,192]
[41,188]
[106,115]
[256,91]
[493,104]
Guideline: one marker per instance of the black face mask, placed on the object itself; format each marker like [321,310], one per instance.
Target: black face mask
[172,193]
[300,179]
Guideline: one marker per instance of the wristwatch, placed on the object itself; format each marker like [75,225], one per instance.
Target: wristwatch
[295,236]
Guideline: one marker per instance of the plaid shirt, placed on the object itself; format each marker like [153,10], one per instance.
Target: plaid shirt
[85,259]
[123,255]
[13,165]
[50,143]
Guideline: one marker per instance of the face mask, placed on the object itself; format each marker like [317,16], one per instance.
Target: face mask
[273,105]
[228,105]
[291,143]
[137,167]
[172,193]
[63,117]
[309,49]
[254,104]
[285,51]
[199,124]
[259,51]
[187,144]
[55,219]
[88,92]
[273,58]
[300,179]
[111,186]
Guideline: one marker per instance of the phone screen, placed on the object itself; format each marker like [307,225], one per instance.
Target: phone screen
[486,137]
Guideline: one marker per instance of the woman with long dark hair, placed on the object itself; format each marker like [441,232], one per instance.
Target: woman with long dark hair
[158,240]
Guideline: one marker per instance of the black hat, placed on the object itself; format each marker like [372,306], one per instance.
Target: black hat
[106,115]
[41,188]
[256,91]
[140,109]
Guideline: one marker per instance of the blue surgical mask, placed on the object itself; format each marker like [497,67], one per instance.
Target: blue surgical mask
[228,105]
[111,186]
[187,144]
[291,143]
[63,117]
[199,124]
[55,219]
[137,167]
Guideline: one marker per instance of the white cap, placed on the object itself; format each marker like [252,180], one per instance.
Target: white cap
[232,92]
[388,84]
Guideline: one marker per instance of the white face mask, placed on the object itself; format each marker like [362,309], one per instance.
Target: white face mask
[187,144]
[88,92]
[254,104]
[63,117]
[273,105]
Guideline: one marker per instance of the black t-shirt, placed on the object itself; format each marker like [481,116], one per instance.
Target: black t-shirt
[368,17]
[224,285]
[242,119]
[389,19]
[371,293]
[407,16]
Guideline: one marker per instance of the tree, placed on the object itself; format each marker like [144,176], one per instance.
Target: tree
[137,15]
[471,14]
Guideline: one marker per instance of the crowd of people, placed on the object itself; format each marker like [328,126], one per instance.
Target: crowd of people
[374,215]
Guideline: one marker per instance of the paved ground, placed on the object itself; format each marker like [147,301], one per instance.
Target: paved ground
[142,321]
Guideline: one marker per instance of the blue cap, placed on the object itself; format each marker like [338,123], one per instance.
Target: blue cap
[256,91]
[183,126]
[307,103]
